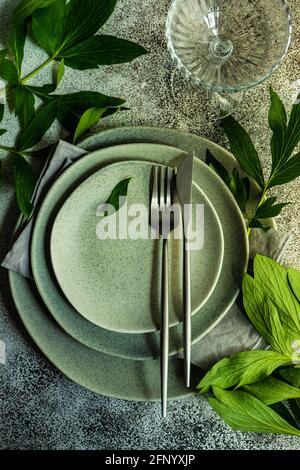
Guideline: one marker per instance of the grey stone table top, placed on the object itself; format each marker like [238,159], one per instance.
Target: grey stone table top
[39,407]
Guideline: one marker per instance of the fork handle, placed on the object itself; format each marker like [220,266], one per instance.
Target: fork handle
[187,326]
[165,331]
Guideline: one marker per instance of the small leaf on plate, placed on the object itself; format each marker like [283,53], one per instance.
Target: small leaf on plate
[89,119]
[38,126]
[271,390]
[85,18]
[24,104]
[24,184]
[291,375]
[243,149]
[242,411]
[294,280]
[106,50]
[48,26]
[60,72]
[119,191]
[8,71]
[242,369]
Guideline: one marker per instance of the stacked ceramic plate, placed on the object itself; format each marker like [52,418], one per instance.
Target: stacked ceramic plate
[94,305]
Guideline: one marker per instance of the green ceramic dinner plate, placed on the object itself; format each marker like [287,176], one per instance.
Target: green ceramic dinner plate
[114,281]
[147,345]
[113,376]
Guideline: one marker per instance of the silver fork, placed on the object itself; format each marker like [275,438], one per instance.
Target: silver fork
[163,222]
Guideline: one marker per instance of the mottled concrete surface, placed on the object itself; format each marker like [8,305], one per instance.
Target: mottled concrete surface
[39,407]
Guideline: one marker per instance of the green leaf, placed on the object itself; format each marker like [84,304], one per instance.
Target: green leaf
[38,126]
[246,413]
[271,390]
[287,172]
[60,72]
[24,184]
[2,108]
[269,209]
[274,279]
[24,104]
[83,100]
[292,135]
[294,280]
[281,409]
[67,118]
[255,223]
[3,54]
[26,7]
[242,369]
[17,42]
[43,91]
[84,19]
[265,316]
[240,189]
[119,191]
[218,167]
[243,149]
[48,26]
[101,50]
[8,71]
[278,124]
[89,119]
[291,375]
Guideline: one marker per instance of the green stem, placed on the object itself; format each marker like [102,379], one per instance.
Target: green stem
[261,200]
[25,79]
[36,71]
[10,149]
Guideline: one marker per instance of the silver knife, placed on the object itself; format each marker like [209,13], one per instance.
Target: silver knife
[184,181]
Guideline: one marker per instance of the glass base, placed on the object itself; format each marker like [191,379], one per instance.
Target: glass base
[190,99]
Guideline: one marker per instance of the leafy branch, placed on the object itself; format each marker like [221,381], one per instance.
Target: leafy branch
[259,390]
[285,164]
[67,32]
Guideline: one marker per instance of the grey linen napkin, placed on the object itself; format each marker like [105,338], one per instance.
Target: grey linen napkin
[234,333]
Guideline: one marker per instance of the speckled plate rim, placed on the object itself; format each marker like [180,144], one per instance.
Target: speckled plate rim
[216,258]
[101,373]
[147,346]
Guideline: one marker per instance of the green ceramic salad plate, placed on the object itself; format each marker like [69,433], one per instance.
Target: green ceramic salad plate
[106,373]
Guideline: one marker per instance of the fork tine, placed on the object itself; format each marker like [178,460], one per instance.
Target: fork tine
[162,191]
[154,197]
[168,189]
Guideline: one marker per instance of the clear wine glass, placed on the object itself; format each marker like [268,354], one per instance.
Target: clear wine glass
[227,46]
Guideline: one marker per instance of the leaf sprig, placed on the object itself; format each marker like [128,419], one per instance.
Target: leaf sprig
[285,164]
[268,381]
[67,32]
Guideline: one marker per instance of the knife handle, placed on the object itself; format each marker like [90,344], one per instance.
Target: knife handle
[187,327]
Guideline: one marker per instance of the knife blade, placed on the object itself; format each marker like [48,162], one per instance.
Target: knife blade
[184,181]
